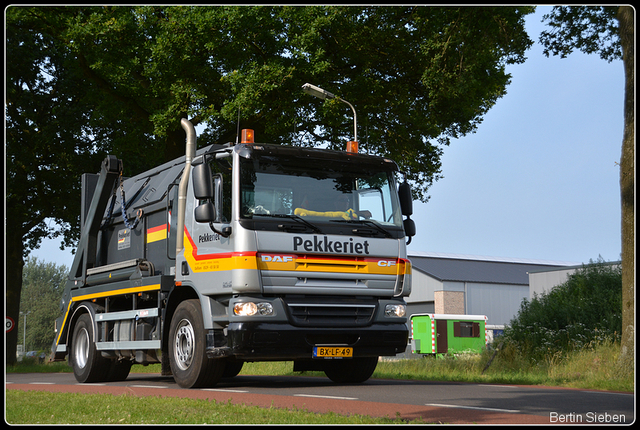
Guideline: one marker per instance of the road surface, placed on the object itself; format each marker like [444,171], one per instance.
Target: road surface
[433,402]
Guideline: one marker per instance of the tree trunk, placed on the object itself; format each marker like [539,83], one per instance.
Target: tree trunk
[627,184]
[13,272]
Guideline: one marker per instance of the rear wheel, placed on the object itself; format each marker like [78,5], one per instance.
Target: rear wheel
[87,362]
[354,370]
[119,370]
[187,349]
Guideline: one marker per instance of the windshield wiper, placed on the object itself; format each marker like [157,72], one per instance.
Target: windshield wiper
[297,218]
[372,223]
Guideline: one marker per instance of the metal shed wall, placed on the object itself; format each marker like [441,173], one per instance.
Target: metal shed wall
[499,302]
[492,286]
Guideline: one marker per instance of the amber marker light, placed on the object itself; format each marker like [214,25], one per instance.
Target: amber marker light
[247,136]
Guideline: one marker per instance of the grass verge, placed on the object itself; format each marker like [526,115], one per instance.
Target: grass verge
[40,407]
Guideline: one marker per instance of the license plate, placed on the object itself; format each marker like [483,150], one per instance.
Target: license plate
[332,351]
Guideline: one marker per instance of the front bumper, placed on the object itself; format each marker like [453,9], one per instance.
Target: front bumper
[257,341]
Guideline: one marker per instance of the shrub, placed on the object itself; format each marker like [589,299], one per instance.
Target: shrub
[586,308]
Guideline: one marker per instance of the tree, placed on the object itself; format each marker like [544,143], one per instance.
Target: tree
[42,287]
[608,31]
[47,148]
[118,80]
[585,308]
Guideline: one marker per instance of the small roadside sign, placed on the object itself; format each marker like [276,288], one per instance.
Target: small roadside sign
[9,324]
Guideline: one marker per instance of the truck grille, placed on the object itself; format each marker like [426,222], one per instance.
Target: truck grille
[341,313]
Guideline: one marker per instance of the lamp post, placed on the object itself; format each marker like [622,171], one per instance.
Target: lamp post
[24,331]
[323,95]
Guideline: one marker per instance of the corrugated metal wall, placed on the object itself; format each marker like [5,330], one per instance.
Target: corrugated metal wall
[499,302]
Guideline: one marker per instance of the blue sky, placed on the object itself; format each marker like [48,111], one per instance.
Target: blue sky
[538,180]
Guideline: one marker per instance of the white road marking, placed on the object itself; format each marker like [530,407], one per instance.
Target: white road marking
[224,390]
[148,386]
[325,397]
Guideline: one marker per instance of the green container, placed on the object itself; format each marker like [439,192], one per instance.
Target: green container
[448,333]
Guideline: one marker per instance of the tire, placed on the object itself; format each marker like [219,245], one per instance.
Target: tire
[87,362]
[119,370]
[187,349]
[232,368]
[355,370]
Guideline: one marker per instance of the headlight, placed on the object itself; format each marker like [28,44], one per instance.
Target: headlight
[249,309]
[265,309]
[395,311]
[245,309]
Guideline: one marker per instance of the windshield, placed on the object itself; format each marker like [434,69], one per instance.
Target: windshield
[319,192]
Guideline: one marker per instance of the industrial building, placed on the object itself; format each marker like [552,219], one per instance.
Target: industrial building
[464,284]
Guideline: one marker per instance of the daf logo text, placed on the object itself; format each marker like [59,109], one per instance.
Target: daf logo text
[277,258]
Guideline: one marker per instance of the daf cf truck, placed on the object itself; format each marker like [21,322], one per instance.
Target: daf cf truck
[239,253]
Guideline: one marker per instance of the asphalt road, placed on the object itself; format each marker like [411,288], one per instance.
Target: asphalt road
[436,402]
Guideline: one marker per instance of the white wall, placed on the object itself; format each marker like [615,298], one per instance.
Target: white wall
[542,282]
[499,302]
[422,287]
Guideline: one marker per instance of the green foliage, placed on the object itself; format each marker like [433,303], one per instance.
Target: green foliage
[42,286]
[586,308]
[591,29]
[48,144]
[418,76]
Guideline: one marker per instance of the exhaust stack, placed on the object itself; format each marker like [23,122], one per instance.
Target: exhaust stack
[190,153]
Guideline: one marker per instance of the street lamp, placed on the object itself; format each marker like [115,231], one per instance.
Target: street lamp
[318,92]
[24,332]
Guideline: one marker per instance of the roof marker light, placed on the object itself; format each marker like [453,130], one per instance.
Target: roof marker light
[352,146]
[247,136]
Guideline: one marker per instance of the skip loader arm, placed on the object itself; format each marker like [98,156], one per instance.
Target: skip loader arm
[86,253]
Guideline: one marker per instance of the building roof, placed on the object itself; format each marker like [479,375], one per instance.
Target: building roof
[468,268]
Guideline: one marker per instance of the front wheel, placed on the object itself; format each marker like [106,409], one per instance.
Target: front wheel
[187,348]
[355,370]
[232,369]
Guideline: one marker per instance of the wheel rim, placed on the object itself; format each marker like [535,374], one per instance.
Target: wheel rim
[184,344]
[81,348]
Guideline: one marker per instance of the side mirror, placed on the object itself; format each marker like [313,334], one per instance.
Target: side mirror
[409,227]
[206,212]
[202,182]
[406,200]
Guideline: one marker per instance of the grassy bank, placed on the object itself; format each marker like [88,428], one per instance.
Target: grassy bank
[598,368]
